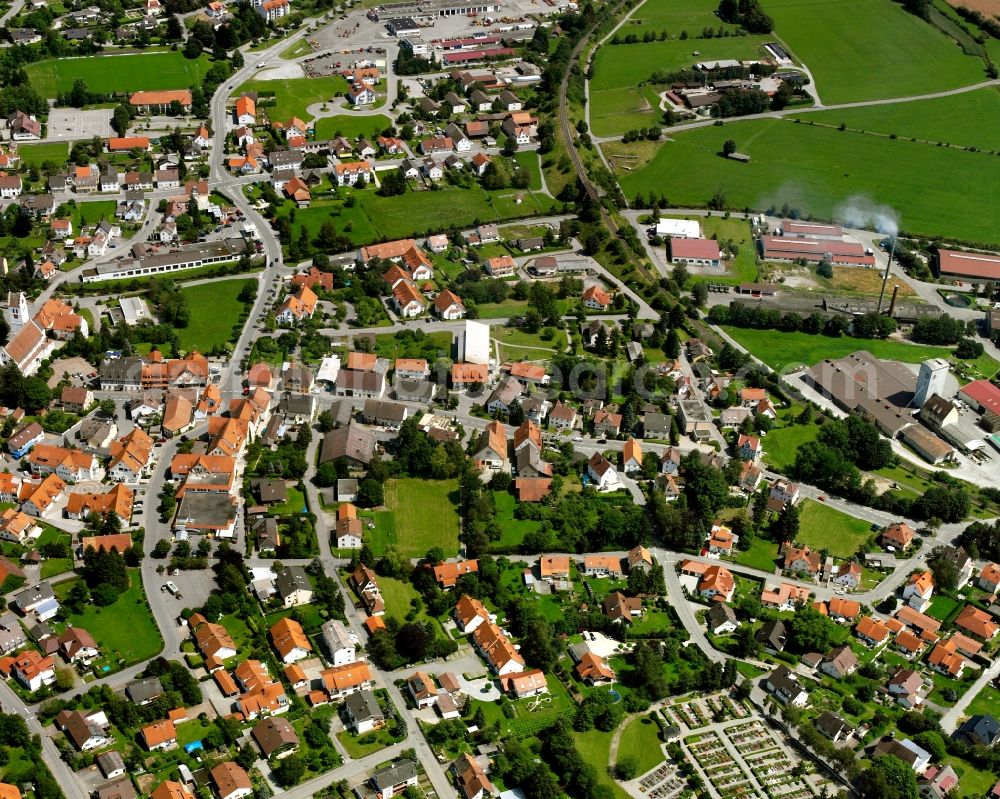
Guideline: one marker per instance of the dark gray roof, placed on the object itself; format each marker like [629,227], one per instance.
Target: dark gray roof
[292,579]
[983,729]
[773,634]
[110,761]
[144,690]
[396,774]
[269,490]
[719,614]
[363,706]
[831,725]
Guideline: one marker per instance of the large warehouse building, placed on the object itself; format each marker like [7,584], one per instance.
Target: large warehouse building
[973,266]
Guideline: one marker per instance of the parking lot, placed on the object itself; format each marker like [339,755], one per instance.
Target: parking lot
[66,124]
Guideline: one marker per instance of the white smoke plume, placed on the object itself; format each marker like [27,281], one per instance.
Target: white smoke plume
[861,212]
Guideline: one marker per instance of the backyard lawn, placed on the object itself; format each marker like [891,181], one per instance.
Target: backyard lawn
[424,515]
[781,350]
[351,127]
[642,738]
[513,530]
[817,169]
[118,73]
[943,607]
[125,631]
[823,527]
[986,701]
[294,504]
[215,312]
[292,96]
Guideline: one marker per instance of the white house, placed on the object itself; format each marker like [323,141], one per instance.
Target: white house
[602,472]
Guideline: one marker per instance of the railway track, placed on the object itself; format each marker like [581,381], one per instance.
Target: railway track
[574,155]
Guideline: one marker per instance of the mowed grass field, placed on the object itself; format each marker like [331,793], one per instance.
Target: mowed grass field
[215,310]
[618,103]
[935,190]
[641,738]
[780,350]
[870,49]
[964,120]
[675,16]
[823,527]
[424,515]
[55,151]
[125,630]
[292,96]
[351,127]
[118,73]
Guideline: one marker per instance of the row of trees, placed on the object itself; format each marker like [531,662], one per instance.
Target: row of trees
[760,317]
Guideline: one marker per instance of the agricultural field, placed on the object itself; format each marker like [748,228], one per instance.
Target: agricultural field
[618,103]
[823,527]
[674,17]
[962,120]
[780,350]
[292,96]
[118,73]
[864,49]
[351,127]
[215,310]
[417,211]
[816,170]
[418,531]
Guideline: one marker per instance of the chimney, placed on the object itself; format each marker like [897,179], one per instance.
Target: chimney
[892,302]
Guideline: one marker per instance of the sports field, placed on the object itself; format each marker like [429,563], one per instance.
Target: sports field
[870,49]
[618,103]
[424,514]
[816,170]
[293,96]
[215,310]
[781,350]
[351,127]
[963,120]
[118,73]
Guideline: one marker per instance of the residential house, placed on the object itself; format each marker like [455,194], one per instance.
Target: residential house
[784,686]
[602,473]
